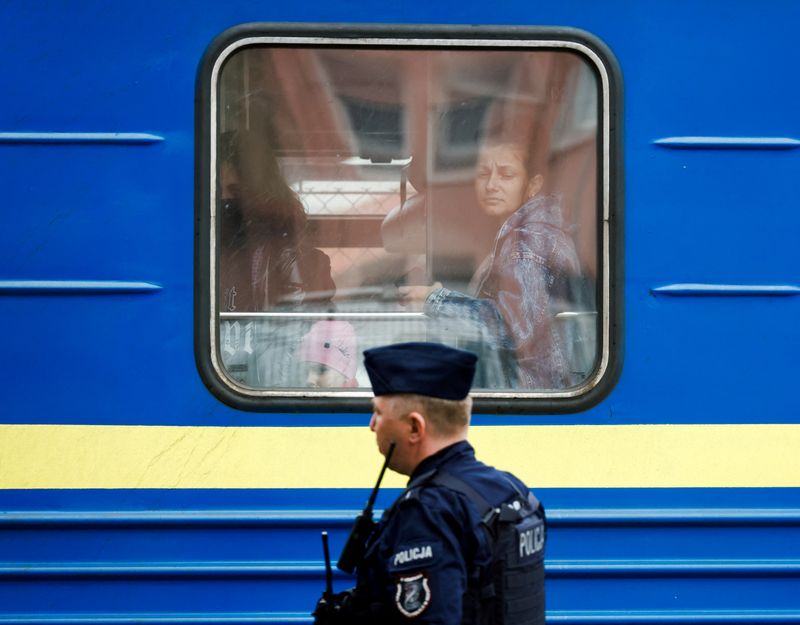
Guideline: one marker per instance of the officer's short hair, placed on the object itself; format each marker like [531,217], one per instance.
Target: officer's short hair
[448,416]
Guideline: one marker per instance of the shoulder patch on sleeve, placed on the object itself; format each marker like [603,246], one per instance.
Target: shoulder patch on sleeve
[417,555]
[413,595]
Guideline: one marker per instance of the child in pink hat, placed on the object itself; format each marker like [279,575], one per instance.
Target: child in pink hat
[330,350]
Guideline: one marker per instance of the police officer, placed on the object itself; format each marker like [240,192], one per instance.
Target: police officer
[464,543]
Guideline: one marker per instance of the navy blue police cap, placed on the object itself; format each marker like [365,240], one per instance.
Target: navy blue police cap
[427,369]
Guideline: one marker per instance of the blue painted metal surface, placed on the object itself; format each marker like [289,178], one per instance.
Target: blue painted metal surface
[255,555]
[125,212]
[90,209]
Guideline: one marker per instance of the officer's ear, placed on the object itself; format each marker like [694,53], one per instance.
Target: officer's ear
[417,426]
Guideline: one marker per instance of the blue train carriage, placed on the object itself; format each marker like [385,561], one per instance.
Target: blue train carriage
[206,223]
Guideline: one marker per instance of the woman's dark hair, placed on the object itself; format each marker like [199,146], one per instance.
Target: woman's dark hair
[268,203]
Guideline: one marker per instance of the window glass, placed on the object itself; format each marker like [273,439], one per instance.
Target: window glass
[364,196]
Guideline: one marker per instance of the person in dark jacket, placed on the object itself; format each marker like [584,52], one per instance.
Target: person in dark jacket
[432,557]
[266,263]
[266,260]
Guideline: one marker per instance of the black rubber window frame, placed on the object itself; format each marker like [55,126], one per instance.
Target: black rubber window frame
[609,218]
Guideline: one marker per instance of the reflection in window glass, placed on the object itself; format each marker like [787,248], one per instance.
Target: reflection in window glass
[370,196]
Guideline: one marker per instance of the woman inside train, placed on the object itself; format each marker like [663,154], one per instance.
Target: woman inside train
[526,279]
[266,263]
[266,260]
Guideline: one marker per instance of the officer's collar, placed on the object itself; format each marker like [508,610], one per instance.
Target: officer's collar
[429,465]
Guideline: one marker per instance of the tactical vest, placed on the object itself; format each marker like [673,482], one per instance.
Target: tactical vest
[510,591]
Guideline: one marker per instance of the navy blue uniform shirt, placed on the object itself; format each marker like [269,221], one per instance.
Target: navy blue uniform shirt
[420,558]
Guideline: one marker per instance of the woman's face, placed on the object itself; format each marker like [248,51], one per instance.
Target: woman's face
[501,181]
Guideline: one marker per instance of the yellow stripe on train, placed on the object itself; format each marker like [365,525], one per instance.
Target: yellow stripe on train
[81,456]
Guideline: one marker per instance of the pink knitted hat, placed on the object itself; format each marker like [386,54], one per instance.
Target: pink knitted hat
[333,344]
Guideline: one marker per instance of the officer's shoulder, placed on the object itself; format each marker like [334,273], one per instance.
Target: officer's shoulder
[492,486]
[433,498]
[518,483]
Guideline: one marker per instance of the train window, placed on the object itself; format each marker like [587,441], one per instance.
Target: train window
[360,192]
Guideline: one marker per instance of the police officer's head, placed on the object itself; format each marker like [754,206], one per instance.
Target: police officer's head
[421,400]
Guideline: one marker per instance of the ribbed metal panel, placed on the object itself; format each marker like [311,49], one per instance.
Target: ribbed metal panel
[570,617]
[344,518]
[156,619]
[316,570]
[605,565]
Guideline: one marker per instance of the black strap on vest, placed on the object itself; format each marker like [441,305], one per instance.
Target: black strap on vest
[485,509]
